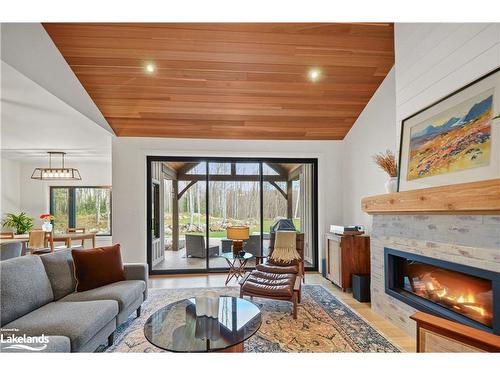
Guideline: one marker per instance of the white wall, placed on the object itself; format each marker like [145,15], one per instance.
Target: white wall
[129,179]
[11,195]
[374,131]
[35,193]
[21,193]
[433,60]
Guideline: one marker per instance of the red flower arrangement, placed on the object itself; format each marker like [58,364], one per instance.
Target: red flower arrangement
[47,217]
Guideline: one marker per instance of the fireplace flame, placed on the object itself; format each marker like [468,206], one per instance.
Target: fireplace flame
[463,301]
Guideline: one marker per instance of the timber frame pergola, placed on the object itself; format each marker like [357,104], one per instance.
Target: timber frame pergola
[182,174]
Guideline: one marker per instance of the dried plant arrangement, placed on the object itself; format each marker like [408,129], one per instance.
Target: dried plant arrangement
[387,162]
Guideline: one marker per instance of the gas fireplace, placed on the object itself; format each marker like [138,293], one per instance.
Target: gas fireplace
[465,294]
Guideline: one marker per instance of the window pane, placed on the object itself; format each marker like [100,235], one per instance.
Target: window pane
[268,171]
[200,168]
[93,209]
[247,169]
[60,204]
[219,168]
[233,203]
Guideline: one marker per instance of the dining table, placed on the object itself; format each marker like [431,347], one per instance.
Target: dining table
[67,238]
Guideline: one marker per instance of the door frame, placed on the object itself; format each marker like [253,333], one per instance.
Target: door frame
[150,159]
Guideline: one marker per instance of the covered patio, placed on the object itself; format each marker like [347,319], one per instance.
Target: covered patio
[236,192]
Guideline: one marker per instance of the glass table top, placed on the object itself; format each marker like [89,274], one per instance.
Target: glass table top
[230,255]
[176,327]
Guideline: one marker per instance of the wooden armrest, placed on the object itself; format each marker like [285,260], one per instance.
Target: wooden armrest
[244,278]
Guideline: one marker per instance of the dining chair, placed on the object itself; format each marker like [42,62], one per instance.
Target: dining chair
[40,242]
[6,235]
[77,230]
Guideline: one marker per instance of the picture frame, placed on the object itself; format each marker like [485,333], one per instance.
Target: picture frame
[454,140]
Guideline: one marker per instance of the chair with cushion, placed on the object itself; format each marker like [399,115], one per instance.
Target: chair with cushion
[226,245]
[280,276]
[252,245]
[195,247]
[10,250]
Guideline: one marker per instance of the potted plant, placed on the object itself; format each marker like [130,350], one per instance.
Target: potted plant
[22,223]
[387,162]
[47,222]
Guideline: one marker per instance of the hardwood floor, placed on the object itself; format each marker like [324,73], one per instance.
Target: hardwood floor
[393,333]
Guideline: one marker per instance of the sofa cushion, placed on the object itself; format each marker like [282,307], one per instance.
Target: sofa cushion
[25,287]
[79,321]
[97,267]
[60,270]
[123,292]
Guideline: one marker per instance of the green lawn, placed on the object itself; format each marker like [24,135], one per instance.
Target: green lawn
[183,220]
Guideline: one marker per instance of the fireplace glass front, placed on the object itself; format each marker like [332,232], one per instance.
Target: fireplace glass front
[467,295]
[454,291]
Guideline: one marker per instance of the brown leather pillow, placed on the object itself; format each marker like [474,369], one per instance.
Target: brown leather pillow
[97,267]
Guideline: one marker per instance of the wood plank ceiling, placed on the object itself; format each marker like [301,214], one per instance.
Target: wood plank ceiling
[232,81]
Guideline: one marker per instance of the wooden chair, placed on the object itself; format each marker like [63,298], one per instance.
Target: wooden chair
[77,230]
[40,242]
[6,235]
[276,281]
[300,250]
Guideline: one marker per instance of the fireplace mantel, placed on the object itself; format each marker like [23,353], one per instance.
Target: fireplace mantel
[474,197]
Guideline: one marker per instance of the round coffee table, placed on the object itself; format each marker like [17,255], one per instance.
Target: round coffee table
[176,327]
[236,264]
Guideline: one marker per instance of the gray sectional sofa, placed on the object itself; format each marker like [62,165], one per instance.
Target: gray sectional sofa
[38,297]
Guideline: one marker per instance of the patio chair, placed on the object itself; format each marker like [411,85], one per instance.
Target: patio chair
[195,247]
[252,245]
[10,250]
[226,246]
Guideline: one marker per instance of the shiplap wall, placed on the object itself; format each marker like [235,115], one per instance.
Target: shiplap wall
[433,60]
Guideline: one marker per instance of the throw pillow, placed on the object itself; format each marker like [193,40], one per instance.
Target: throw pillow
[97,267]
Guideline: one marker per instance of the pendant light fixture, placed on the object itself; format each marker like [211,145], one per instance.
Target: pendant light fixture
[56,174]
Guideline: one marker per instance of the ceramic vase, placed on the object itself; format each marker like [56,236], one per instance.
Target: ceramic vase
[47,226]
[391,185]
[207,305]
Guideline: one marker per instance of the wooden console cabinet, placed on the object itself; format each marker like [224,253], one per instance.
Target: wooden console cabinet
[438,335]
[346,255]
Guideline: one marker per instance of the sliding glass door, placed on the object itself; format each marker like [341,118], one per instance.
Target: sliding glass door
[200,198]
[234,196]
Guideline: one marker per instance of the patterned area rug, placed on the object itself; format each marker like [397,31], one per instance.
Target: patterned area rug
[324,324]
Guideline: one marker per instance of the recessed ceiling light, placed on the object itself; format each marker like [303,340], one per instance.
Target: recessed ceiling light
[150,68]
[314,74]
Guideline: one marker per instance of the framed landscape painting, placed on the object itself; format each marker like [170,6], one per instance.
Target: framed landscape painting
[455,140]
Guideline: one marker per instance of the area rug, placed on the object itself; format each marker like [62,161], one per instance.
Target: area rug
[324,324]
